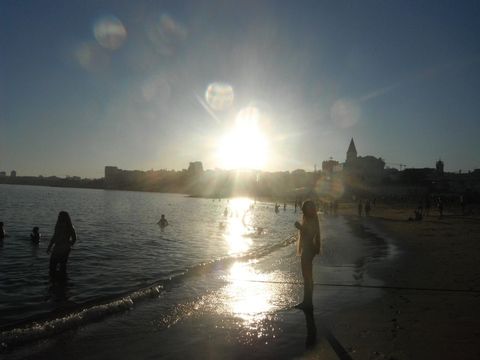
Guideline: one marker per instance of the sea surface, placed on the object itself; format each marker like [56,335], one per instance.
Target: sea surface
[242,264]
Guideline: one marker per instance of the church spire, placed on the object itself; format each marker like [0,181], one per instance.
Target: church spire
[352,151]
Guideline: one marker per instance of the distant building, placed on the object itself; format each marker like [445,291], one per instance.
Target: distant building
[351,152]
[329,166]
[13,173]
[362,169]
[112,174]
[439,166]
[3,174]
[195,168]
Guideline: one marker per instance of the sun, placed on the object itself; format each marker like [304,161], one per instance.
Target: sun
[244,146]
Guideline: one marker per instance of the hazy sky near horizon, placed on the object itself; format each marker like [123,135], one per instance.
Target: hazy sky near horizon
[84,84]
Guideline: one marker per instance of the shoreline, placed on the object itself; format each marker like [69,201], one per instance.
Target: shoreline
[434,313]
[398,317]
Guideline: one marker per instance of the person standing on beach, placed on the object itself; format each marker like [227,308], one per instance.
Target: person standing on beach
[367,208]
[428,204]
[309,245]
[440,207]
[62,241]
[360,208]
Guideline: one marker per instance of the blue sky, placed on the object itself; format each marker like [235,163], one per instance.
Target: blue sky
[401,77]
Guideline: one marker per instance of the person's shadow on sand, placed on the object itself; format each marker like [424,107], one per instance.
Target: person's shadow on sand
[311,339]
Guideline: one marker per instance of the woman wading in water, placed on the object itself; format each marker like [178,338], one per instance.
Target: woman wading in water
[62,241]
[309,245]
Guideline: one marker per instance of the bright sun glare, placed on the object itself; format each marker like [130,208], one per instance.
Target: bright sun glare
[244,146]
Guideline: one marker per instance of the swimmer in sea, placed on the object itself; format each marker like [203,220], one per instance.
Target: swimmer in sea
[162,222]
[2,232]
[35,235]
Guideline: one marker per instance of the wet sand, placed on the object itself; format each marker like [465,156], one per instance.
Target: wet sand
[438,254]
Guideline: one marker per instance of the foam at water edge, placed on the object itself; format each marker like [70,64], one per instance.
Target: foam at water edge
[37,330]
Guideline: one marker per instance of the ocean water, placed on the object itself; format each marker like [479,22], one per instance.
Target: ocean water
[241,268]
[120,247]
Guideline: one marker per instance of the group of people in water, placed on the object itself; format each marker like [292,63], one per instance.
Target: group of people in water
[309,245]
[64,237]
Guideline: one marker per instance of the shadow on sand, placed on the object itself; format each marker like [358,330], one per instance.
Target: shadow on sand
[323,332]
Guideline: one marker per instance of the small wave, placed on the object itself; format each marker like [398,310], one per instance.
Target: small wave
[50,324]
[35,330]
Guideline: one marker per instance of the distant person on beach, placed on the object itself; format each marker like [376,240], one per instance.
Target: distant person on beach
[335,207]
[284,206]
[2,232]
[428,205]
[418,214]
[162,222]
[35,235]
[367,208]
[62,241]
[462,204]
[296,205]
[225,212]
[440,207]
[277,207]
[309,245]
[360,208]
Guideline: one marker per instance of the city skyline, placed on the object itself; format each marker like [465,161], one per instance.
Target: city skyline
[142,85]
[329,163]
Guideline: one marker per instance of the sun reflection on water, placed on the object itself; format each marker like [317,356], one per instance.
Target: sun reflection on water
[237,232]
[251,295]
[251,301]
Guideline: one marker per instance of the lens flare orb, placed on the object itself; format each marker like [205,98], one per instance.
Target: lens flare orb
[110,32]
[219,96]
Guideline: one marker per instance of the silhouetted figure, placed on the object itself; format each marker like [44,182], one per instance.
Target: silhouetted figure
[163,221]
[2,232]
[296,205]
[62,241]
[428,205]
[418,214]
[335,207]
[309,245]
[462,204]
[277,207]
[284,206]
[360,208]
[225,212]
[35,235]
[367,208]
[440,207]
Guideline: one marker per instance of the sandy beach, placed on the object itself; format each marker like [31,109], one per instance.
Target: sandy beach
[441,323]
